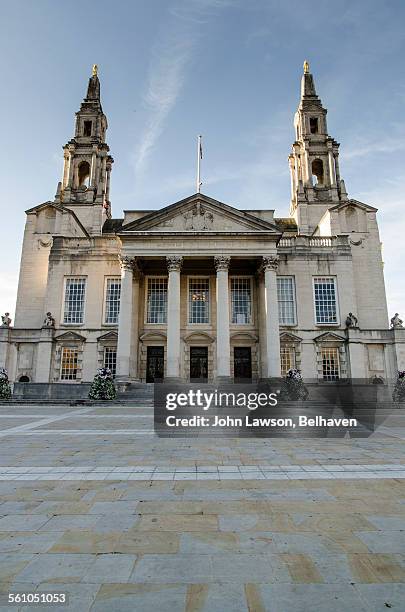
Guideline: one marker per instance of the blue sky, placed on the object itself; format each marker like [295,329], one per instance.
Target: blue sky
[228,69]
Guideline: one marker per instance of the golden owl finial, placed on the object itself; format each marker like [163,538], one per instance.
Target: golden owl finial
[306,67]
[95,69]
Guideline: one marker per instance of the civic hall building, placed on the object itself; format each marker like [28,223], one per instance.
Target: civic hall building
[198,289]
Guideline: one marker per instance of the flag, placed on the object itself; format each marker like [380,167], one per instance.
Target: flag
[201,152]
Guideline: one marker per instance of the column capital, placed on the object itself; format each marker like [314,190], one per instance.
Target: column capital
[131,264]
[270,263]
[174,263]
[126,262]
[222,262]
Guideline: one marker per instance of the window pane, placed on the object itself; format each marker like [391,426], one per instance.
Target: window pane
[157,300]
[286,301]
[325,300]
[241,300]
[68,368]
[74,300]
[112,300]
[198,300]
[110,359]
[287,357]
[330,363]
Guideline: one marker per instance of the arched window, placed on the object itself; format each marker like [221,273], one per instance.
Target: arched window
[24,379]
[84,174]
[317,171]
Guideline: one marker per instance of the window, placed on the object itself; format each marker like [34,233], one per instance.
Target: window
[157,300]
[313,125]
[287,358]
[84,174]
[286,300]
[68,366]
[110,359]
[198,300]
[330,363]
[325,301]
[241,300]
[317,171]
[112,300]
[87,128]
[75,290]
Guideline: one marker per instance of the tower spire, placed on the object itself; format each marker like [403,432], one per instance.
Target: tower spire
[93,88]
[314,166]
[87,167]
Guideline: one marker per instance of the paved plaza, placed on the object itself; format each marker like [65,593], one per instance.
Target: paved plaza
[95,505]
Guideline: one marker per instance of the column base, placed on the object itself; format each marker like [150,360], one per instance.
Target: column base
[173,379]
[224,379]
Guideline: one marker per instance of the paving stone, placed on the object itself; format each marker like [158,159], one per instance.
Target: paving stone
[313,597]
[65,568]
[381,597]
[383,541]
[142,597]
[180,568]
[19,522]
[249,568]
[216,598]
[28,541]
[110,568]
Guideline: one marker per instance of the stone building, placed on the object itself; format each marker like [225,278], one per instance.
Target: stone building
[199,289]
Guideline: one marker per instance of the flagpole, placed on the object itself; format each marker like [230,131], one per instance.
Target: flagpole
[199,164]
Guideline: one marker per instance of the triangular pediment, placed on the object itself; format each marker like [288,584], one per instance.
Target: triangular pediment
[199,213]
[329,337]
[111,335]
[70,336]
[354,204]
[288,337]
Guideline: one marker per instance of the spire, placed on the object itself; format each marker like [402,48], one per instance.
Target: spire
[93,89]
[308,91]
[314,159]
[87,162]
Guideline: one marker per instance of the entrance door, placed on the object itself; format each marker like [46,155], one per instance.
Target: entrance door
[198,363]
[155,362]
[242,362]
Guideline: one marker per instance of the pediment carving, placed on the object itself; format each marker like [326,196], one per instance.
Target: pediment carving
[330,337]
[200,214]
[70,336]
[198,336]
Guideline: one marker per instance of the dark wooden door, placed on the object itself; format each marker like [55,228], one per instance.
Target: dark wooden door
[242,362]
[198,363]
[155,363]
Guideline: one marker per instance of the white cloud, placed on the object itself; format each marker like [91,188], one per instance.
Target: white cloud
[171,56]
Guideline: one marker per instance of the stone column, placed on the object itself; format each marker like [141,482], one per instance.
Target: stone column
[44,355]
[125,320]
[173,317]
[262,325]
[270,265]
[223,337]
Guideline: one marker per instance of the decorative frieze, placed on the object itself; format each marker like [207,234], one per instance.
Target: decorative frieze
[222,262]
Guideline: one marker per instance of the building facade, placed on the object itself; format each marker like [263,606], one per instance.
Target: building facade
[200,290]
